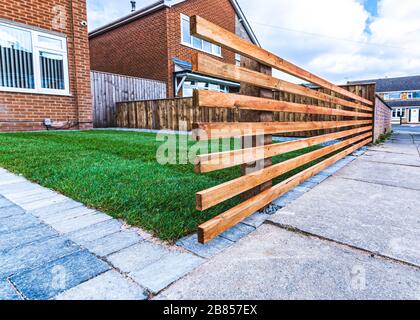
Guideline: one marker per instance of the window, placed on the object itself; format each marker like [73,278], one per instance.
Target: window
[392,96]
[237,59]
[398,113]
[413,95]
[32,61]
[194,42]
[189,86]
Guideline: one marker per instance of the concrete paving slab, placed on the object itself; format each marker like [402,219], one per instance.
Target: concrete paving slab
[396,148]
[382,173]
[8,180]
[237,232]
[10,210]
[288,197]
[137,257]
[95,231]
[67,215]
[207,250]
[7,292]
[34,254]
[308,184]
[392,158]
[162,273]
[16,222]
[55,208]
[113,243]
[318,178]
[256,219]
[7,190]
[50,280]
[374,217]
[272,263]
[37,196]
[80,222]
[43,202]
[24,194]
[108,286]
[9,240]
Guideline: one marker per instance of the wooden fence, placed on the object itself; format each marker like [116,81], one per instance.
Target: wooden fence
[171,114]
[108,89]
[181,113]
[343,115]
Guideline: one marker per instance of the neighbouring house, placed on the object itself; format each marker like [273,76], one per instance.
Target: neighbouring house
[155,43]
[44,65]
[402,95]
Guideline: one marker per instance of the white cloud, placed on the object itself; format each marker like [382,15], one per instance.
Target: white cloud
[391,48]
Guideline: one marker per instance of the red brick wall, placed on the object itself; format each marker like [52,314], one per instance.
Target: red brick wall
[23,111]
[136,49]
[145,47]
[219,12]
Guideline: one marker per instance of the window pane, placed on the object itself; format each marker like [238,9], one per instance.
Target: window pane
[186,36]
[52,71]
[50,42]
[16,58]
[217,50]
[395,95]
[206,46]
[197,43]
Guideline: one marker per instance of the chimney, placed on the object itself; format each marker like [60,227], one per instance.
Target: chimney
[133,6]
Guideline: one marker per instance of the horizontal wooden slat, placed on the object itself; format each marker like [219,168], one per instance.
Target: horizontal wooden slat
[217,161]
[217,130]
[216,34]
[209,66]
[233,216]
[208,198]
[214,99]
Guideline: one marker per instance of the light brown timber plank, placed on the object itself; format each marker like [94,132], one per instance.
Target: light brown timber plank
[208,198]
[218,130]
[217,161]
[233,216]
[214,99]
[218,35]
[209,66]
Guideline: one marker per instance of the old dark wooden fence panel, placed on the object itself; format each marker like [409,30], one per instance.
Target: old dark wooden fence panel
[108,89]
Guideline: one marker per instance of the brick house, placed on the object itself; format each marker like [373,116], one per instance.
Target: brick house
[44,65]
[402,94]
[155,42]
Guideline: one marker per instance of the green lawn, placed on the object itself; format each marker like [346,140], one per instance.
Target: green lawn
[117,172]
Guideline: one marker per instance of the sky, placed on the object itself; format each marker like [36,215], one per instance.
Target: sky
[340,40]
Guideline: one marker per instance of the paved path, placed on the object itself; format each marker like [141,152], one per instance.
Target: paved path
[354,236]
[52,247]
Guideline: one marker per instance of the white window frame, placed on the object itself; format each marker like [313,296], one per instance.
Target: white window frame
[214,48]
[37,47]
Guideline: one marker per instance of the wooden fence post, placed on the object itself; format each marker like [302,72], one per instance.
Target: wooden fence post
[256,116]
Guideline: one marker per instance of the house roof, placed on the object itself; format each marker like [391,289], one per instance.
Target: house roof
[161,4]
[393,84]
[403,103]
